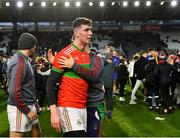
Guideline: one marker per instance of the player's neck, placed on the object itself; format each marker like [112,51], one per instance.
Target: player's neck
[79,45]
[25,52]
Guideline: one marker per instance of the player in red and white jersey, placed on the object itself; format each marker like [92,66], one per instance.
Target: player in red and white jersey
[70,111]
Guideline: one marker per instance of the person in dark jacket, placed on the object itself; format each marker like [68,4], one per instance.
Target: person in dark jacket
[122,78]
[177,79]
[162,73]
[107,78]
[139,73]
[173,75]
[22,113]
[43,73]
[151,83]
[1,76]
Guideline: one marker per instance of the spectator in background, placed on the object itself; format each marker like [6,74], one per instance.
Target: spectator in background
[43,72]
[132,76]
[162,73]
[122,78]
[177,79]
[116,61]
[151,83]
[139,73]
[21,109]
[173,75]
[108,49]
[1,76]
[107,78]
[5,62]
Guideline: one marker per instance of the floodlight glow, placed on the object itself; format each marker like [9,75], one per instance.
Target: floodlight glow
[78,4]
[112,4]
[162,3]
[173,3]
[148,3]
[90,4]
[125,3]
[19,4]
[31,4]
[101,4]
[54,3]
[7,4]
[43,4]
[66,4]
[136,3]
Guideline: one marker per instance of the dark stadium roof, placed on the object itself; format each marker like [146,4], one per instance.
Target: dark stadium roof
[96,13]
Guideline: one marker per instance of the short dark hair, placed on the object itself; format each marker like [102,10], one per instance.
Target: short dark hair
[81,20]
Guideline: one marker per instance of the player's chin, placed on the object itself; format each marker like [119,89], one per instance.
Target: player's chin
[88,41]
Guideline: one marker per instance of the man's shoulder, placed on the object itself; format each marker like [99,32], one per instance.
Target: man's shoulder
[14,58]
[66,51]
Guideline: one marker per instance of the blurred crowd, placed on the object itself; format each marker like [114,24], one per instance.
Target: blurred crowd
[156,71]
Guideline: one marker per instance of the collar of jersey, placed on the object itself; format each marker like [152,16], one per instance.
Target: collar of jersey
[76,47]
[28,58]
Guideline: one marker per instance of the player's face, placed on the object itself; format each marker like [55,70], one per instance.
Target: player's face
[108,50]
[84,34]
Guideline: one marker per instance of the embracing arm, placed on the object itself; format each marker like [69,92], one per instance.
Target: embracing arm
[91,74]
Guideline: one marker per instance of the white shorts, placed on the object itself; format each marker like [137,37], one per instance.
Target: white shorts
[73,119]
[18,121]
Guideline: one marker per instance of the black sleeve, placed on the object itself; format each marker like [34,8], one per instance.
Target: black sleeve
[53,79]
[174,68]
